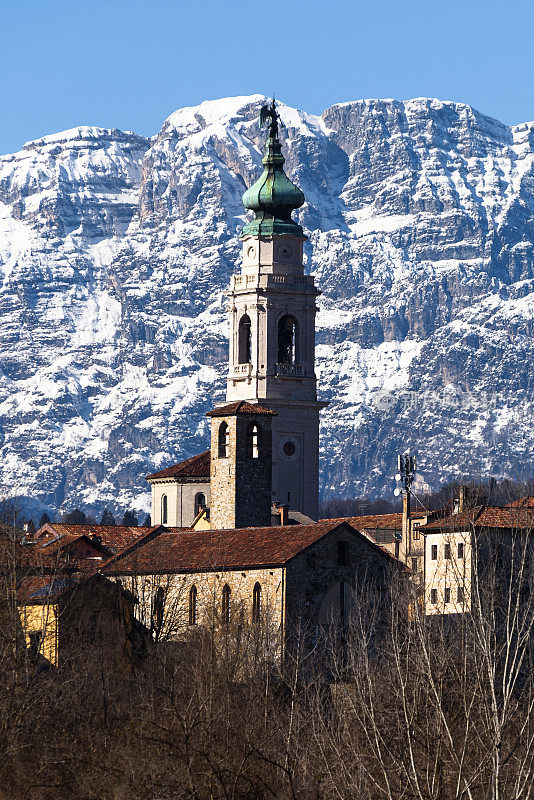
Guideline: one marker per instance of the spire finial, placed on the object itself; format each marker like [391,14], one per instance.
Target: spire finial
[270,116]
[273,197]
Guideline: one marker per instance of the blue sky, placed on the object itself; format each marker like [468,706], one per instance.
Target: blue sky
[130,64]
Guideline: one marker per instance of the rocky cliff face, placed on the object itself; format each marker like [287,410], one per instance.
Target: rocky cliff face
[115,249]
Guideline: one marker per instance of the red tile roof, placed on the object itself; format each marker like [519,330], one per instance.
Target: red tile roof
[378,521]
[204,551]
[512,518]
[14,555]
[239,407]
[114,537]
[151,533]
[524,502]
[194,467]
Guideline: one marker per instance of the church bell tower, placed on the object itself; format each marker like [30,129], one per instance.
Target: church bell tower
[272,342]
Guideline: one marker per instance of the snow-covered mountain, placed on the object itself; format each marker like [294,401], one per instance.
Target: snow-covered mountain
[115,249]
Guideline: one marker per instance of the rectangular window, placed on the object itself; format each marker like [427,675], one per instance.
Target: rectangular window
[342,559]
[460,594]
[414,565]
[460,549]
[416,532]
[434,552]
[447,595]
[434,596]
[447,551]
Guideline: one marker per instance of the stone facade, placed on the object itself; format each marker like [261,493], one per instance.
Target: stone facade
[240,480]
[313,594]
[339,561]
[176,619]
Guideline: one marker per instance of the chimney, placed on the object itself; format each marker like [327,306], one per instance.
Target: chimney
[284,514]
[460,501]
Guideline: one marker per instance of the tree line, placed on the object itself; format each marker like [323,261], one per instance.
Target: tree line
[491,491]
[422,708]
[11,514]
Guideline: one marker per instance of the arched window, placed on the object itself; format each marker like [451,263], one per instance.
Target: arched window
[226,604]
[164,509]
[244,354]
[253,440]
[224,440]
[256,603]
[287,340]
[193,605]
[157,609]
[200,502]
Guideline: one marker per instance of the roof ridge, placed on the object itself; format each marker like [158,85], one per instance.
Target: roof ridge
[180,469]
[226,549]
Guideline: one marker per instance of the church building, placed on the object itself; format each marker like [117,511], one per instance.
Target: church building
[263,456]
[215,553]
[272,306]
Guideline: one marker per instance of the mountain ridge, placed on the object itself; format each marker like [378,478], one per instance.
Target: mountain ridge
[115,250]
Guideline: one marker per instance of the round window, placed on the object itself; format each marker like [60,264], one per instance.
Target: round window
[289,449]
[251,252]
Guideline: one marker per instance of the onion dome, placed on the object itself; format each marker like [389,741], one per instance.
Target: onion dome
[273,197]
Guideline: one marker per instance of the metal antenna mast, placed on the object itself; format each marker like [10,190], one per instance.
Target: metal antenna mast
[406,465]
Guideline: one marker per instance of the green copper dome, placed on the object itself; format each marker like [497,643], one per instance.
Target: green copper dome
[273,197]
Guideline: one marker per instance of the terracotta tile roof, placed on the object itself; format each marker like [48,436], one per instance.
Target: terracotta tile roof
[239,407]
[34,559]
[524,502]
[204,551]
[114,537]
[379,521]
[506,517]
[151,533]
[194,467]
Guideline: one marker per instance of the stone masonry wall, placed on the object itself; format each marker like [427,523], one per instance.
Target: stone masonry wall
[314,575]
[253,475]
[222,471]
[209,587]
[240,485]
